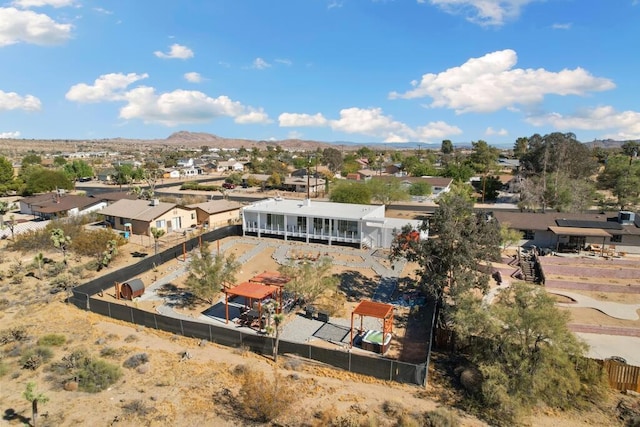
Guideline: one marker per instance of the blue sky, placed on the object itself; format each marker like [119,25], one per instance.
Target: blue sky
[328,70]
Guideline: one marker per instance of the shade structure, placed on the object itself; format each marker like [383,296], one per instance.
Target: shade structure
[579,231]
[377,310]
[252,291]
[273,278]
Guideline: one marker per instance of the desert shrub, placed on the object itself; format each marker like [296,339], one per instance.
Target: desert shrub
[262,399]
[92,265]
[393,408]
[110,352]
[31,241]
[34,357]
[55,269]
[138,408]
[13,335]
[69,363]
[97,375]
[52,340]
[441,417]
[63,282]
[136,360]
[293,364]
[131,338]
[94,243]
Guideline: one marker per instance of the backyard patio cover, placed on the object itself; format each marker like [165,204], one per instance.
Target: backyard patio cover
[378,310]
[579,231]
[271,278]
[250,290]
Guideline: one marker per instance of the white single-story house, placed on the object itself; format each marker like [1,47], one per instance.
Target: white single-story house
[229,165]
[326,222]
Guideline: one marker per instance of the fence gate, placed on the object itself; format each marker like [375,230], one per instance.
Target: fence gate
[622,376]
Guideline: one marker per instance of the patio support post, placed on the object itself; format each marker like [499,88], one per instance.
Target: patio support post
[226,306]
[259,224]
[351,331]
[308,226]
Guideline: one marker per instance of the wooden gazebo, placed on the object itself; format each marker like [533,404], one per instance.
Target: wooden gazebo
[378,310]
[253,292]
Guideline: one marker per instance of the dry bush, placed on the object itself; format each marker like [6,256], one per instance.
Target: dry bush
[393,408]
[52,340]
[136,360]
[34,357]
[13,335]
[137,408]
[262,399]
[293,364]
[110,352]
[441,417]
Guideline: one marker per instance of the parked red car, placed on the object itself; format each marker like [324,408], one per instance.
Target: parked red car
[229,185]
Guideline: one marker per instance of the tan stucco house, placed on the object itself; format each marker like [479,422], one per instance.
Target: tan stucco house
[141,215]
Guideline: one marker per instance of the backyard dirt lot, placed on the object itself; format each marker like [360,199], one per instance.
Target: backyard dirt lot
[199,390]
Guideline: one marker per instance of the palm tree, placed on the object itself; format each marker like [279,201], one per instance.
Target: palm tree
[32,396]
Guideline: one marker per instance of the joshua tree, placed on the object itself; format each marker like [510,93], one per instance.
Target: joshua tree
[4,208]
[157,233]
[34,397]
[278,320]
[60,241]
[39,259]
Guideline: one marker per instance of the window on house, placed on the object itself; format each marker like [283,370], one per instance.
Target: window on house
[122,221]
[275,221]
[318,223]
[616,238]
[193,216]
[528,234]
[347,226]
[301,222]
[161,223]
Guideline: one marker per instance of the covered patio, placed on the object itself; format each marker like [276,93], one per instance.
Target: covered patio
[576,237]
[255,294]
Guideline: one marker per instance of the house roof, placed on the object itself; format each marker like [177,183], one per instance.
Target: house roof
[142,210]
[113,196]
[216,206]
[53,203]
[317,209]
[562,220]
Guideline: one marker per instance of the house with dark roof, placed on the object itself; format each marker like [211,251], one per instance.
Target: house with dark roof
[59,205]
[574,232]
[139,216]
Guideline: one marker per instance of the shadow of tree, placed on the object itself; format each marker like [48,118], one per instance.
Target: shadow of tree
[357,286]
[10,414]
[176,297]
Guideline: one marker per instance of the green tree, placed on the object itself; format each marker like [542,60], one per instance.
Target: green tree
[6,172]
[61,242]
[31,159]
[40,180]
[78,169]
[209,274]
[520,147]
[309,280]
[332,157]
[484,159]
[490,187]
[350,192]
[525,354]
[4,208]
[460,240]
[32,396]
[420,189]
[387,190]
[446,147]
[621,175]
[59,161]
[509,236]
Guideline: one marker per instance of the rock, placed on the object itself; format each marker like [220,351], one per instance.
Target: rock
[71,386]
[143,369]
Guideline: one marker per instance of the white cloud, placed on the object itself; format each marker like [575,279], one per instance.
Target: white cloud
[294,119]
[103,11]
[30,27]
[178,107]
[13,101]
[108,87]
[371,122]
[193,77]
[283,61]
[260,64]
[491,131]
[26,4]
[176,51]
[483,12]
[9,135]
[490,83]
[558,26]
[253,116]
[620,125]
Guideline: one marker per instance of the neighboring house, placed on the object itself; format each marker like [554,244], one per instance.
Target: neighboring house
[300,184]
[185,163]
[59,205]
[229,165]
[107,175]
[325,222]
[565,231]
[189,172]
[144,214]
[217,213]
[353,176]
[114,196]
[366,174]
[172,173]
[438,185]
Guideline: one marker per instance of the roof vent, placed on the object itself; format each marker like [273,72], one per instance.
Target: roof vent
[626,217]
[155,202]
